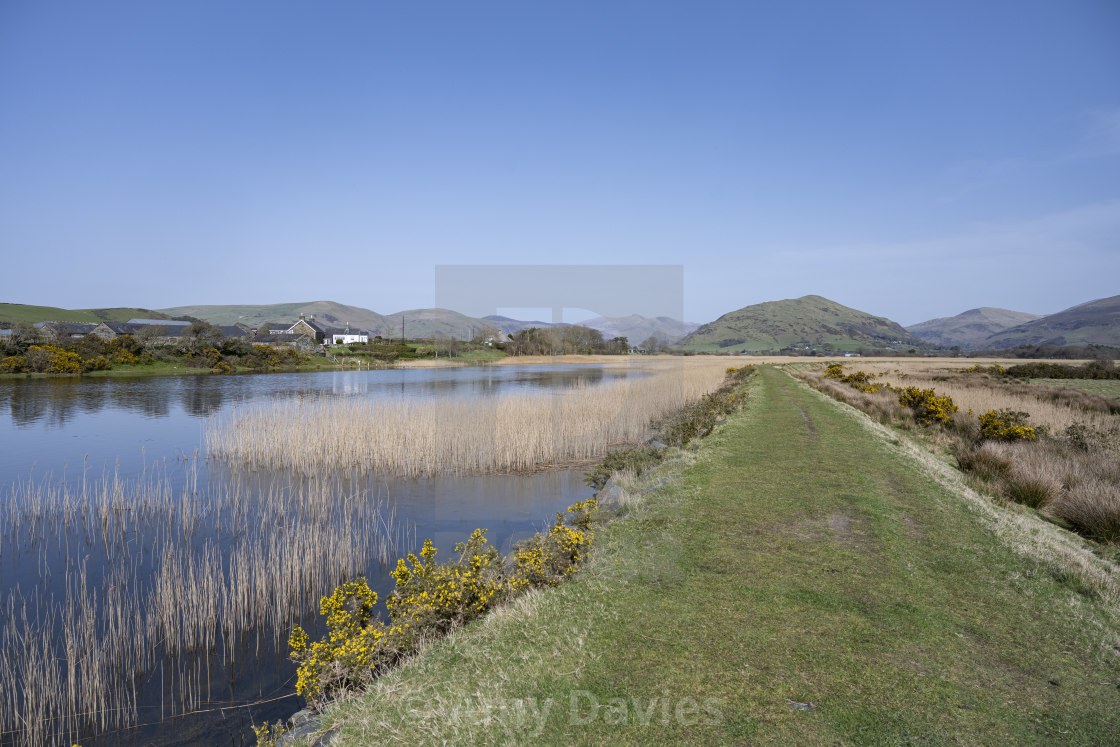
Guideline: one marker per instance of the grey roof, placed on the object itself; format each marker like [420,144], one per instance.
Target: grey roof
[68,328]
[122,328]
[231,330]
[162,322]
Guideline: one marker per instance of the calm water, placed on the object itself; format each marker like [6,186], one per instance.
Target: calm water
[70,430]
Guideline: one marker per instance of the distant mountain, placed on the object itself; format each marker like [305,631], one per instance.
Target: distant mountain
[1093,323]
[637,328]
[432,323]
[809,322]
[510,326]
[971,328]
[18,312]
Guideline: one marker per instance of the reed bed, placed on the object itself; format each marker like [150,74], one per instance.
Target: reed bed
[417,438]
[177,577]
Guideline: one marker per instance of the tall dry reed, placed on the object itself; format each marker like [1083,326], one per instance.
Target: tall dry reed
[182,576]
[456,435]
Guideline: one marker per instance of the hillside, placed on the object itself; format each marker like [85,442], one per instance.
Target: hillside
[18,312]
[637,328]
[433,323]
[328,312]
[1093,323]
[971,328]
[807,322]
[417,322]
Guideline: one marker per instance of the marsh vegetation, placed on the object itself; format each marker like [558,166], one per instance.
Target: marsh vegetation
[517,432]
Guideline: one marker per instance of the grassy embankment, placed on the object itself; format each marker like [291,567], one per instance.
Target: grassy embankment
[807,579]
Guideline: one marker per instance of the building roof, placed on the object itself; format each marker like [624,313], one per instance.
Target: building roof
[68,328]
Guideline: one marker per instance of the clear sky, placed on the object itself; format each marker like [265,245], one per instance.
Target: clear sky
[910,159]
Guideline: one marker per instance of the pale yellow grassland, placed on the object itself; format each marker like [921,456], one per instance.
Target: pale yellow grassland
[977,395]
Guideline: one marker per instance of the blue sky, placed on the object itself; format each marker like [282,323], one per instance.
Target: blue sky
[910,159]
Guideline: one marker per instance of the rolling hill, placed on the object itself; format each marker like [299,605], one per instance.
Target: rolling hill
[1093,323]
[809,322]
[417,322]
[637,328]
[971,328]
[329,312]
[18,312]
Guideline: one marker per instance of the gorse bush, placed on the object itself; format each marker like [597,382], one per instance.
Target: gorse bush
[429,600]
[547,559]
[1006,425]
[432,598]
[928,407]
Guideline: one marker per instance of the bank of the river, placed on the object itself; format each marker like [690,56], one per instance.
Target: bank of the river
[808,578]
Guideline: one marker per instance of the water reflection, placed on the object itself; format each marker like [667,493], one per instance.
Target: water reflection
[54,402]
[136,427]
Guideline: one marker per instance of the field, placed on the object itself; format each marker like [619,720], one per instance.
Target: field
[807,577]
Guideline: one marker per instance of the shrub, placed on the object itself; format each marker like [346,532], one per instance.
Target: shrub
[436,598]
[96,363]
[13,364]
[638,460]
[352,652]
[927,406]
[429,600]
[547,559]
[1006,425]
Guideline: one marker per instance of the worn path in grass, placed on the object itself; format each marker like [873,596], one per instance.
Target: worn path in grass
[800,583]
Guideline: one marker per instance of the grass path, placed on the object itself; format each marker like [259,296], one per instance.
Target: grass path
[799,583]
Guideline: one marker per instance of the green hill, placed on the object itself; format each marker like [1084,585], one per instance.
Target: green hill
[971,328]
[809,322]
[19,312]
[417,322]
[1093,323]
[254,315]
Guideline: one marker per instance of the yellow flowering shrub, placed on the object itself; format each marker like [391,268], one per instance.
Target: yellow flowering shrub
[547,559]
[351,653]
[13,364]
[1006,425]
[430,597]
[928,407]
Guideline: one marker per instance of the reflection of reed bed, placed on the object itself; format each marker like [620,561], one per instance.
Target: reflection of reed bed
[158,583]
[513,433]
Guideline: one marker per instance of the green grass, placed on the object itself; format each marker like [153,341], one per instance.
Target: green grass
[1103,387]
[799,560]
[18,312]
